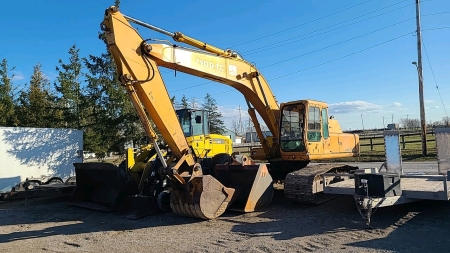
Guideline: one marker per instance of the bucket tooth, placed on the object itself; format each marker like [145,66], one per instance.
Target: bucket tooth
[252,183]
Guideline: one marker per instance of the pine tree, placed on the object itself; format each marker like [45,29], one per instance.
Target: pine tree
[6,96]
[68,84]
[216,125]
[184,102]
[112,117]
[35,105]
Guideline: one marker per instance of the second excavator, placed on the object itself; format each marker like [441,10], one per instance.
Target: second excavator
[301,131]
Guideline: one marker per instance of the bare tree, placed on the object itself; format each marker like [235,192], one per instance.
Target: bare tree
[237,127]
[446,121]
[410,123]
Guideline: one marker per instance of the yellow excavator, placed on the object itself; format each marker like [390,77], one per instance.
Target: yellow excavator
[301,131]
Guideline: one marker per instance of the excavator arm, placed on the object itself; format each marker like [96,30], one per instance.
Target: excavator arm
[141,78]
[139,61]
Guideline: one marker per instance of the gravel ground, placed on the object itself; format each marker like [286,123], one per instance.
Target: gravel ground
[50,225]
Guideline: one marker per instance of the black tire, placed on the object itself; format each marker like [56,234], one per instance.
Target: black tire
[219,159]
[163,201]
[29,185]
[55,181]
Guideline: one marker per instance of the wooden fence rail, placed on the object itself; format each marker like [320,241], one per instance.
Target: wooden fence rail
[402,141]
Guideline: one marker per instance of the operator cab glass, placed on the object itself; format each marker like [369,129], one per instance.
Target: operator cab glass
[193,122]
[292,125]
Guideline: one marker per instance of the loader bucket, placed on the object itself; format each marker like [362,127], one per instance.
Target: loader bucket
[101,186]
[203,197]
[252,183]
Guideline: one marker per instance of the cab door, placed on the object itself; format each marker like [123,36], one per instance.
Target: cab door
[314,134]
[325,132]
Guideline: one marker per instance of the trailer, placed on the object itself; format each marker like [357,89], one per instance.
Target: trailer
[388,185]
[35,161]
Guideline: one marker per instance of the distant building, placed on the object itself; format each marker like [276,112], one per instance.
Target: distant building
[238,139]
[253,137]
[392,126]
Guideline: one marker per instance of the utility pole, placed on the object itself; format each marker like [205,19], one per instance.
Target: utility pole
[384,126]
[240,120]
[392,118]
[362,121]
[407,122]
[419,70]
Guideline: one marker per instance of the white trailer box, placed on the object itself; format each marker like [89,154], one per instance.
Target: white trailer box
[34,152]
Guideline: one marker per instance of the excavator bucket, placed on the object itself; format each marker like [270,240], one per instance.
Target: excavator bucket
[101,186]
[137,206]
[252,183]
[203,197]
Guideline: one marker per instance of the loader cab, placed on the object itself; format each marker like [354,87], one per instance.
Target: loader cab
[193,122]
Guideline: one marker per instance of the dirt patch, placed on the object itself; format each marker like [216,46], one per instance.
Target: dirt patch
[50,225]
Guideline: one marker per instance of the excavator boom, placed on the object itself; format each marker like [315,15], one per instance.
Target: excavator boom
[223,66]
[192,193]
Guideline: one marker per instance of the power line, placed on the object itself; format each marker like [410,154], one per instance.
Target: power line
[438,28]
[438,13]
[437,88]
[309,22]
[282,43]
[342,57]
[324,63]
[432,14]
[193,86]
[320,49]
[268,47]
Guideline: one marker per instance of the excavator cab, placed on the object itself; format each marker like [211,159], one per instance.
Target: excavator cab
[308,133]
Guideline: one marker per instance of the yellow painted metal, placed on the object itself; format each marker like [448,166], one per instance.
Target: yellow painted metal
[144,84]
[233,72]
[210,145]
[180,37]
[138,66]
[337,145]
[218,65]
[130,158]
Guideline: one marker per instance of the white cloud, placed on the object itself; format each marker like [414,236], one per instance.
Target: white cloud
[354,106]
[17,75]
[230,113]
[397,104]
[428,101]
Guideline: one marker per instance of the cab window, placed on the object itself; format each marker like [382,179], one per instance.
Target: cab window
[314,131]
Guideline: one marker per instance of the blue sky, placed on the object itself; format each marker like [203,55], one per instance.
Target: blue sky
[355,55]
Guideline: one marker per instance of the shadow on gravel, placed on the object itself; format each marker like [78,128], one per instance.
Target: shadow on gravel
[339,218]
[424,227]
[59,218]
